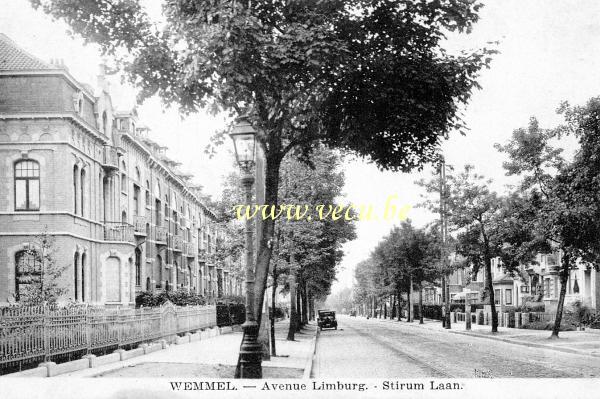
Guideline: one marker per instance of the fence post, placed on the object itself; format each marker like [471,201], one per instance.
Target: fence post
[45,332]
[119,327]
[88,330]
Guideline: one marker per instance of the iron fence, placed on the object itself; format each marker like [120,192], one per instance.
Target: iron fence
[43,333]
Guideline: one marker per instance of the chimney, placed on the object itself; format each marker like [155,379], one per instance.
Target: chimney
[102,82]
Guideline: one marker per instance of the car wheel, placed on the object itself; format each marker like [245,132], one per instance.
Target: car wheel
[336,327]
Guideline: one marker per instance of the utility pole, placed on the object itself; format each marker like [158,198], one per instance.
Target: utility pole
[444,234]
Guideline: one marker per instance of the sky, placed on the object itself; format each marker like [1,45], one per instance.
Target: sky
[549,53]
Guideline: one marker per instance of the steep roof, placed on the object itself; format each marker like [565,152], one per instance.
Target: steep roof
[13,57]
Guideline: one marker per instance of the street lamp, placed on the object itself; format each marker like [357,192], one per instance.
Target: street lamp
[244,142]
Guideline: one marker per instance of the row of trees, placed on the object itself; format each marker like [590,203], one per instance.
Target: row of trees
[554,208]
[404,260]
[306,252]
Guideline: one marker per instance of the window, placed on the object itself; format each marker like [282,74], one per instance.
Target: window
[82,189]
[138,267]
[136,200]
[28,270]
[166,206]
[157,214]
[27,186]
[497,297]
[124,217]
[137,174]
[147,193]
[123,177]
[508,296]
[159,275]
[76,274]
[75,190]
[83,260]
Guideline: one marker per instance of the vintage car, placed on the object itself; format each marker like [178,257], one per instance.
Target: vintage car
[353,313]
[326,319]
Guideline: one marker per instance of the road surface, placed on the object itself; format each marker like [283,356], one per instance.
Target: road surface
[362,348]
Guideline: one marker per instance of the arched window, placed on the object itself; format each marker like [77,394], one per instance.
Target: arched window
[138,267]
[124,217]
[28,272]
[147,193]
[123,177]
[137,174]
[27,186]
[148,244]
[148,284]
[82,189]
[83,260]
[75,189]
[166,206]
[76,274]
[158,270]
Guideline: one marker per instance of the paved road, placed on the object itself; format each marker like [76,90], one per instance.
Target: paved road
[384,349]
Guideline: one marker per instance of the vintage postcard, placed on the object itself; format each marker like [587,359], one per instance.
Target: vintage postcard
[299,198]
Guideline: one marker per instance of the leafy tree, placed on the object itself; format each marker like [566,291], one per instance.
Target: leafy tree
[563,195]
[473,211]
[310,249]
[45,285]
[302,71]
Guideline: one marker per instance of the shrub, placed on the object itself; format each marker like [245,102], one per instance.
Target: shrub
[230,314]
[179,298]
[279,312]
[531,307]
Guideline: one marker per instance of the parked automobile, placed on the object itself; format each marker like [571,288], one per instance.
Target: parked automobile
[353,313]
[326,319]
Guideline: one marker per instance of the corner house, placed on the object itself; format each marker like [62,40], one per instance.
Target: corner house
[123,217]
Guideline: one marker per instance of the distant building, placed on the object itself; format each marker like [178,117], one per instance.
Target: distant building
[125,219]
[537,281]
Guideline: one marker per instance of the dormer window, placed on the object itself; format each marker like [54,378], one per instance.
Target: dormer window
[78,102]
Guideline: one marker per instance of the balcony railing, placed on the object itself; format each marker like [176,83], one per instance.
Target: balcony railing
[117,231]
[202,255]
[139,225]
[110,160]
[161,235]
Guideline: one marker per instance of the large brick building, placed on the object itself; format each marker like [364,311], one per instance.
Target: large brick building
[123,217]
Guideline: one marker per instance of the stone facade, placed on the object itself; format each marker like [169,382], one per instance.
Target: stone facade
[123,217]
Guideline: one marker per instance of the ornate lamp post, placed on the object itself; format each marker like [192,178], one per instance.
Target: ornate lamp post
[244,142]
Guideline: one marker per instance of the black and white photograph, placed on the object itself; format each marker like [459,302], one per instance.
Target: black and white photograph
[299,198]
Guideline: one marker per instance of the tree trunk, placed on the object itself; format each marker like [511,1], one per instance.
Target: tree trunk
[274,290]
[490,287]
[298,308]
[385,309]
[564,277]
[444,301]
[272,164]
[304,305]
[420,303]
[411,316]
[399,295]
[293,317]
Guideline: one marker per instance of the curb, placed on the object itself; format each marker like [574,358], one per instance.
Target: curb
[507,340]
[528,344]
[309,362]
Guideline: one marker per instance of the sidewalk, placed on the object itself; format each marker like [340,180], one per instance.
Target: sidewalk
[213,358]
[577,342]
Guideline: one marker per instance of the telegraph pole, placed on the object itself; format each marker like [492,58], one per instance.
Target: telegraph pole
[444,233]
